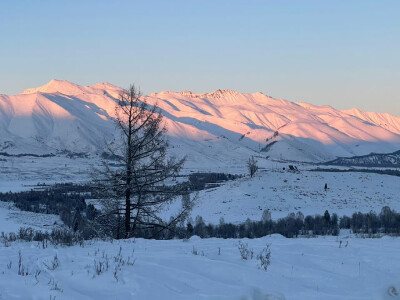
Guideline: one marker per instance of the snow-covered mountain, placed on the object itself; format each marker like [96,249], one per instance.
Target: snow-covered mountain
[389,160]
[219,127]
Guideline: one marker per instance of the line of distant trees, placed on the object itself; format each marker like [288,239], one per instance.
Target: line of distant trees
[295,225]
[26,154]
[200,181]
[49,201]
[392,172]
[68,201]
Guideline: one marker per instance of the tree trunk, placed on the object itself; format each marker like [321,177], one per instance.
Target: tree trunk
[129,170]
[127,213]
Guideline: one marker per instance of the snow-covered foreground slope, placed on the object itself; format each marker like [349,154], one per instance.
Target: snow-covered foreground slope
[219,128]
[314,268]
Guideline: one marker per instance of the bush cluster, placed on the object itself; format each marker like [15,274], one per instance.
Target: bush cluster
[63,237]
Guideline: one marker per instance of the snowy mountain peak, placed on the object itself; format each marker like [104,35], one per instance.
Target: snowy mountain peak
[72,89]
[222,93]
[54,86]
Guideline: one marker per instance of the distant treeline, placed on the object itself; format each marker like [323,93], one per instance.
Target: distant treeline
[392,172]
[26,154]
[290,226]
[50,201]
[65,200]
[67,153]
[387,221]
[68,201]
[294,225]
[199,181]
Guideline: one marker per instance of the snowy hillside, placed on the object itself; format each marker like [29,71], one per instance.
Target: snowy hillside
[283,193]
[58,116]
[385,120]
[219,127]
[391,160]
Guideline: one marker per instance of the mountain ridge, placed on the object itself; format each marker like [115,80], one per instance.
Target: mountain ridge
[221,125]
[387,160]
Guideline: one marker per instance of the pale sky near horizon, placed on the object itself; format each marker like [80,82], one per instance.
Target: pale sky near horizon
[340,53]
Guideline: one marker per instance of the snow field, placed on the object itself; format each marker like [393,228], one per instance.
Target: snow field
[272,188]
[284,192]
[12,219]
[314,268]
[23,173]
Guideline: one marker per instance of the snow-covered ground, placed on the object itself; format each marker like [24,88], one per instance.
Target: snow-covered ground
[11,219]
[313,268]
[24,173]
[281,192]
[284,192]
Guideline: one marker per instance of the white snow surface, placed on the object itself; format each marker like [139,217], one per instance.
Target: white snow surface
[301,268]
[25,173]
[12,219]
[218,128]
[284,192]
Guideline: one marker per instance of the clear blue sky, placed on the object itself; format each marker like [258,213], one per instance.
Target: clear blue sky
[341,53]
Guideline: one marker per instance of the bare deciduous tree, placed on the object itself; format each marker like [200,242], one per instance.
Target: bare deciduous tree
[252,166]
[141,179]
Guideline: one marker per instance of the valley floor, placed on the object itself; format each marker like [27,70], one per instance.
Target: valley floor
[272,188]
[302,268]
